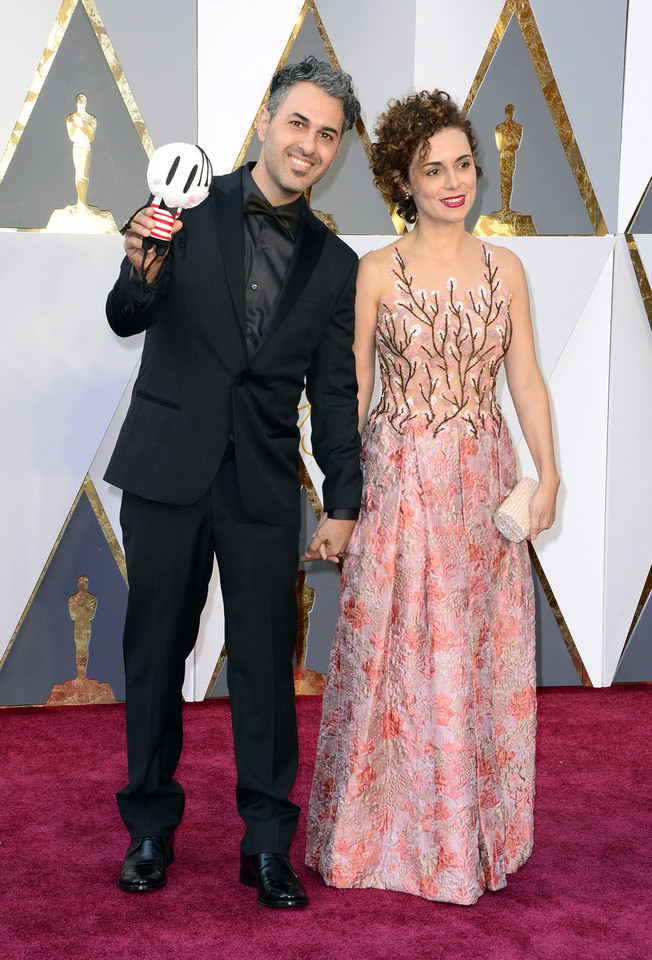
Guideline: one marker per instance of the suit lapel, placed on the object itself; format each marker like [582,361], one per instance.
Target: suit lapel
[311,235]
[227,209]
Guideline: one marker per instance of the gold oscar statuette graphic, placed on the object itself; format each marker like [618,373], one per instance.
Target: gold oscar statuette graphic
[80,217]
[81,608]
[506,222]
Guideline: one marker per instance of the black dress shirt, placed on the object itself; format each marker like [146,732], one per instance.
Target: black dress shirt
[268,251]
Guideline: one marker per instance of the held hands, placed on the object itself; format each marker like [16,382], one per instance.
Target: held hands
[543,508]
[329,539]
[141,226]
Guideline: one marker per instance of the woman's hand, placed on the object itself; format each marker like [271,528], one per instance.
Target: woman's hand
[543,507]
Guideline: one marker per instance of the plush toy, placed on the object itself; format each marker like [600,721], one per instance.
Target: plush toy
[179,176]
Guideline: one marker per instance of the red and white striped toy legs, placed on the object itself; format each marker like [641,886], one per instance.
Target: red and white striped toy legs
[163,220]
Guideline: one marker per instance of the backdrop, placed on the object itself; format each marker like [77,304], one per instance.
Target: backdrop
[91,87]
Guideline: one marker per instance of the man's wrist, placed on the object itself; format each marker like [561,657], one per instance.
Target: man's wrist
[135,277]
[142,292]
[343,513]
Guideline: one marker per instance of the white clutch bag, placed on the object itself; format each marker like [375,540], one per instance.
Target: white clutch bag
[512,517]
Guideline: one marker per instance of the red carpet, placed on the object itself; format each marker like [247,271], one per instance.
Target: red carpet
[585,893]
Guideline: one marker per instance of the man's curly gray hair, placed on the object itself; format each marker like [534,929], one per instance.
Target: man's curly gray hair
[336,83]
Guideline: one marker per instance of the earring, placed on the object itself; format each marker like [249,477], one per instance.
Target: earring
[406,196]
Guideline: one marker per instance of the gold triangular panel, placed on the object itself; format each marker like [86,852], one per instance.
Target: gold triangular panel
[67,647]
[217,686]
[535,181]
[78,155]
[346,198]
[641,276]
[641,222]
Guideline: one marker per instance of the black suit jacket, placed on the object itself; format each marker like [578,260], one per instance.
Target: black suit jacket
[196,387]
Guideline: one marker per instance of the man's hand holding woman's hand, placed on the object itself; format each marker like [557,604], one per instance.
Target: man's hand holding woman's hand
[329,539]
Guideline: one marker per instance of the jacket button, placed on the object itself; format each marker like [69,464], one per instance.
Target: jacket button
[239,380]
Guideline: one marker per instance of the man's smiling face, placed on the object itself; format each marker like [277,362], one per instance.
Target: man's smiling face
[299,142]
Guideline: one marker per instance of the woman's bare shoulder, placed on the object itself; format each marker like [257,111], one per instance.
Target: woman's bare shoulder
[377,264]
[380,256]
[509,263]
[500,254]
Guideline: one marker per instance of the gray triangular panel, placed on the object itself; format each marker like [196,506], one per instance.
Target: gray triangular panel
[347,191]
[43,651]
[324,578]
[642,222]
[41,177]
[588,74]
[220,687]
[544,185]
[554,665]
[636,662]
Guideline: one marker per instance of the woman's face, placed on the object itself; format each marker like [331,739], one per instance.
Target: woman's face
[443,184]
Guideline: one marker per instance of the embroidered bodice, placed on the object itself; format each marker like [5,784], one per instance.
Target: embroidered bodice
[440,353]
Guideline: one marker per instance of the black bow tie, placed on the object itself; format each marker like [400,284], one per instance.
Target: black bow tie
[258,205]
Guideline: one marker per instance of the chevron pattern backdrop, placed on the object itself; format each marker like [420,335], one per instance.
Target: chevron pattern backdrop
[578,77]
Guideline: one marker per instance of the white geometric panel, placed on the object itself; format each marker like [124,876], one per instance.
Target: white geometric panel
[62,375]
[210,640]
[110,497]
[629,459]
[63,371]
[226,108]
[572,552]
[376,76]
[561,274]
[594,69]
[635,165]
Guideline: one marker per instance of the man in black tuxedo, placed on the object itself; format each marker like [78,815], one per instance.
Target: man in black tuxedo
[255,296]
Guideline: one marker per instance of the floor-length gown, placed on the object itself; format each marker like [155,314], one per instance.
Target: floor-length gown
[424,779]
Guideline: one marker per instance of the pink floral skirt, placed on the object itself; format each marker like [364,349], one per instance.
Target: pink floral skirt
[424,778]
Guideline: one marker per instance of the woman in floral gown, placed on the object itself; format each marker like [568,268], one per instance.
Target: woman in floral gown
[424,780]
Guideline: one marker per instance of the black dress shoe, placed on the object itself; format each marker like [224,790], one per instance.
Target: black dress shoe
[144,866]
[273,876]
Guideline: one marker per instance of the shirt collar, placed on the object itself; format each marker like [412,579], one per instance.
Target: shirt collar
[249,186]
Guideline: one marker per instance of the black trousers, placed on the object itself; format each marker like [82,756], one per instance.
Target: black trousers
[169,551]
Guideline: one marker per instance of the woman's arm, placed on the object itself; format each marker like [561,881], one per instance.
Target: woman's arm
[364,343]
[530,397]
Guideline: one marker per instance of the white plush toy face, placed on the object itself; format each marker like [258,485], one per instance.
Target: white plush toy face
[180,174]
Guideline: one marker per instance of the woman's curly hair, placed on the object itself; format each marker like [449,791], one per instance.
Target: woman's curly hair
[405,128]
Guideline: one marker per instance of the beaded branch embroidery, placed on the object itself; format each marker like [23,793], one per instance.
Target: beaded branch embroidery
[439,357]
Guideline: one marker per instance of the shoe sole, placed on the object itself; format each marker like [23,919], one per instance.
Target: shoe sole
[144,887]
